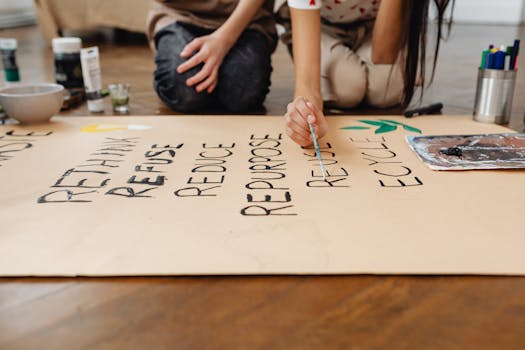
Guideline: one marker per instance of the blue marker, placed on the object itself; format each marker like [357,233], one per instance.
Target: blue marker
[499,59]
[490,61]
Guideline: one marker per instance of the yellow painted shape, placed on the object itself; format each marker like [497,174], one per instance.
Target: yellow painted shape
[113,127]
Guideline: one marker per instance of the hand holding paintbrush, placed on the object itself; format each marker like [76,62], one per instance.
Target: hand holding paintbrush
[301,112]
[305,124]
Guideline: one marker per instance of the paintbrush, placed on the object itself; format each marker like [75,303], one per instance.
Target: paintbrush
[317,150]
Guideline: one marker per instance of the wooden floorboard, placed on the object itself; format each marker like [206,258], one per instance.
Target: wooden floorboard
[279,312]
[306,312]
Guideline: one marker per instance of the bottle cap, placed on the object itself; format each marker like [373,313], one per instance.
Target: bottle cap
[66,45]
[12,75]
[8,44]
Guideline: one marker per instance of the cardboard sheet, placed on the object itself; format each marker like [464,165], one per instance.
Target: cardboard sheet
[233,195]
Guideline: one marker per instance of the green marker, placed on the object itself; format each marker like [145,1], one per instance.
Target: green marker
[484,56]
[317,151]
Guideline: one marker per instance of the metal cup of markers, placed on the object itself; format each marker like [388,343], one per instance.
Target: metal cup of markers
[494,93]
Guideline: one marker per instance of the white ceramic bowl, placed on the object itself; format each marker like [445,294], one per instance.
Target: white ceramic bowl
[32,103]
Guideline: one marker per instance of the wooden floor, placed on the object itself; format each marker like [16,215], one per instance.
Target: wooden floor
[279,312]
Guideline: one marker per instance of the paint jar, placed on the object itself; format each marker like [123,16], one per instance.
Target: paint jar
[68,68]
[494,93]
[8,50]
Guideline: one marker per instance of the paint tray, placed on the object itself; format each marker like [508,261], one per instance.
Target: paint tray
[470,152]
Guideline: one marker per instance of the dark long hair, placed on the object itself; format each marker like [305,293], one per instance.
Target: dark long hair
[414,42]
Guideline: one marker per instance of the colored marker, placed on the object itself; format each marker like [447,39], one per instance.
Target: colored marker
[484,56]
[514,55]
[430,109]
[499,59]
[490,61]
[317,150]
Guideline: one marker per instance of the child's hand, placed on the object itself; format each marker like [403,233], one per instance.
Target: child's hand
[210,50]
[299,113]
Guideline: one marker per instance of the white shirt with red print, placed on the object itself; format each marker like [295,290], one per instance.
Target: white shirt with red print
[340,11]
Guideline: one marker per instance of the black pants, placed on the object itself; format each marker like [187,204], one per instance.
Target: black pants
[243,80]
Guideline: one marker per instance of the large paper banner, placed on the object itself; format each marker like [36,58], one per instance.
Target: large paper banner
[233,195]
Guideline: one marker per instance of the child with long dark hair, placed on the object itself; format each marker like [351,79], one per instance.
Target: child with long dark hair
[347,52]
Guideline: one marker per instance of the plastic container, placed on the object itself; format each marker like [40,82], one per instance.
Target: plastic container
[68,68]
[8,48]
[92,78]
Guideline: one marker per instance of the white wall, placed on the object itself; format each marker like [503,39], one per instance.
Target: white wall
[16,4]
[490,11]
[16,12]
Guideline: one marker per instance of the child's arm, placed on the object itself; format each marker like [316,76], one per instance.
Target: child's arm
[307,106]
[387,34]
[306,38]
[211,49]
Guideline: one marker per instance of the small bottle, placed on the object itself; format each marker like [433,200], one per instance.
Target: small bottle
[92,78]
[8,49]
[68,69]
